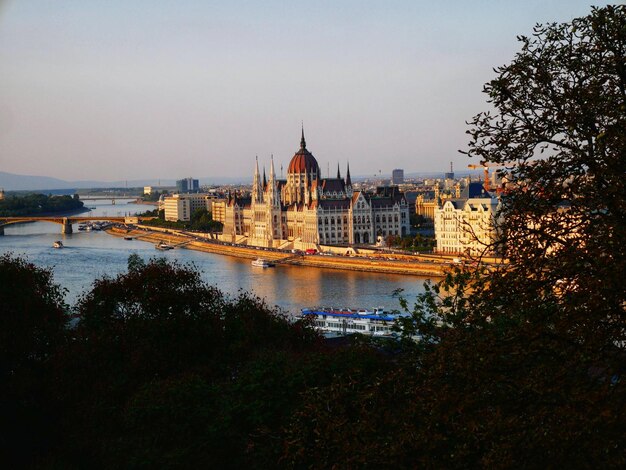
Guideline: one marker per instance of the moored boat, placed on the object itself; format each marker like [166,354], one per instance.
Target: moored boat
[163,246]
[57,244]
[262,263]
[342,321]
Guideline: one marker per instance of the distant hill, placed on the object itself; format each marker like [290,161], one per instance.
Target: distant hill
[13,182]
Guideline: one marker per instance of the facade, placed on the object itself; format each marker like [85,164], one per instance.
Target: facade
[187,185]
[397,176]
[467,225]
[305,210]
[182,206]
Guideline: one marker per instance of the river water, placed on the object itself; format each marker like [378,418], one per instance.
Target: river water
[91,255]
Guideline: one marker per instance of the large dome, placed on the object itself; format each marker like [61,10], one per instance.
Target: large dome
[303,160]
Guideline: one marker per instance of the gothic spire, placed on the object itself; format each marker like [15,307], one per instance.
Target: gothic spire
[348,180]
[302,141]
[338,174]
[264,178]
[256,189]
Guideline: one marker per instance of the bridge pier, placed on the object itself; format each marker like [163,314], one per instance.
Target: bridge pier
[1,230]
[67,226]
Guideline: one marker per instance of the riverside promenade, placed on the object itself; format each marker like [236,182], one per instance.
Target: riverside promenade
[401,264]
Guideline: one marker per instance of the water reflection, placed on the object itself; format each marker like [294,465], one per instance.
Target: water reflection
[90,255]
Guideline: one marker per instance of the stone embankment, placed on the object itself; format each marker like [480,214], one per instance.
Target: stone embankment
[394,264]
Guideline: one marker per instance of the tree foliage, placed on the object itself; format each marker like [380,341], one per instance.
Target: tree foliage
[32,329]
[560,121]
[200,221]
[34,204]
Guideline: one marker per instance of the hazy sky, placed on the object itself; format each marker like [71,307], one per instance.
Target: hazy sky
[133,89]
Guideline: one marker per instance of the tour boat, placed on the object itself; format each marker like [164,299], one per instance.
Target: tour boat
[262,263]
[163,246]
[128,238]
[342,321]
[58,244]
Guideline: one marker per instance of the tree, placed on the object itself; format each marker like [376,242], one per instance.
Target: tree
[524,363]
[560,120]
[32,329]
[161,362]
[33,317]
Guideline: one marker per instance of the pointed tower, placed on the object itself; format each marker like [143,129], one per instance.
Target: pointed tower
[257,190]
[273,197]
[264,179]
[274,230]
[348,182]
[338,173]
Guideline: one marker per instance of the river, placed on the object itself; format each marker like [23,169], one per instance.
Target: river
[91,255]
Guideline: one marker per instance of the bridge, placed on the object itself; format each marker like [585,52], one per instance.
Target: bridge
[108,198]
[67,221]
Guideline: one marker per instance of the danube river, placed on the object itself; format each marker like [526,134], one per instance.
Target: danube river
[91,255]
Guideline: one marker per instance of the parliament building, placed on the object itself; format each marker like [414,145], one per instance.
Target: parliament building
[306,210]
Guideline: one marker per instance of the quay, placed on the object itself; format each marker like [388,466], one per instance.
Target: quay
[406,265]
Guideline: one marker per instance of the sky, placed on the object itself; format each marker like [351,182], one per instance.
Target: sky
[134,89]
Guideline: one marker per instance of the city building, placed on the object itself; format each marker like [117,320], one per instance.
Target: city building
[182,206]
[397,176]
[467,224]
[306,210]
[149,190]
[427,203]
[187,185]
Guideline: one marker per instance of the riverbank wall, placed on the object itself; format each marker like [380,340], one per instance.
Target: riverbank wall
[376,264]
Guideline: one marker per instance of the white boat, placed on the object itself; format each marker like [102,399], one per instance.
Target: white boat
[163,246]
[262,263]
[344,321]
[57,244]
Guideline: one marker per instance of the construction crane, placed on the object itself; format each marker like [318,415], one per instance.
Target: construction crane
[485,166]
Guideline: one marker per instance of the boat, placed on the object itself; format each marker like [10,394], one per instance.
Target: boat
[343,321]
[57,244]
[128,238]
[163,246]
[262,263]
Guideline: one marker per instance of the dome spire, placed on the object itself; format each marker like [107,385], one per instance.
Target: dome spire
[302,141]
